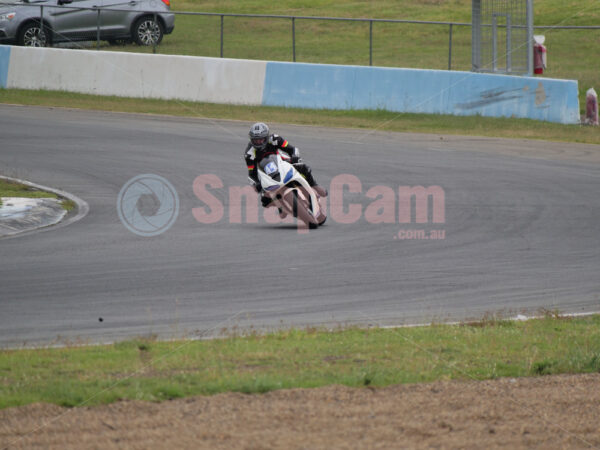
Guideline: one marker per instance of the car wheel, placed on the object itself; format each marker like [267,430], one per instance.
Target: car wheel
[147,32]
[34,35]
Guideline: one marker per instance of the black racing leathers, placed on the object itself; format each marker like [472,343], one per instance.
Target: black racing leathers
[275,143]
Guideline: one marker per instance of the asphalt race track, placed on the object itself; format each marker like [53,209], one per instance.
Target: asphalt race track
[520,224]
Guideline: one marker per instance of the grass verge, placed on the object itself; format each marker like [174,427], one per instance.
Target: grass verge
[68,205]
[380,120]
[13,189]
[10,188]
[146,369]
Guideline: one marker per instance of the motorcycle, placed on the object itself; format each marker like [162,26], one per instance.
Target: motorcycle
[290,191]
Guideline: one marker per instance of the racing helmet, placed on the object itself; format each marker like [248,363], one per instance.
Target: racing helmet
[259,135]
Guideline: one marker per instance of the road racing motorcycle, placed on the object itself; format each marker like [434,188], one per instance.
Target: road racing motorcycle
[290,191]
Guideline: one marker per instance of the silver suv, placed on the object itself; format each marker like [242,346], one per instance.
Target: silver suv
[64,21]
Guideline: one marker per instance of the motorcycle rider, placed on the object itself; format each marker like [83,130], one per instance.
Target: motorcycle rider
[263,144]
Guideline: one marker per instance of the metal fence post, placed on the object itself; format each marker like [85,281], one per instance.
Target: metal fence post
[494,43]
[154,25]
[98,30]
[222,35]
[294,39]
[42,24]
[476,36]
[529,37]
[370,42]
[450,48]
[508,44]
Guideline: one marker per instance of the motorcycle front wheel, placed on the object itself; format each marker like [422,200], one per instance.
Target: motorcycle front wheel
[299,209]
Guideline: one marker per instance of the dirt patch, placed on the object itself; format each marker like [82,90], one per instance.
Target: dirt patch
[544,412]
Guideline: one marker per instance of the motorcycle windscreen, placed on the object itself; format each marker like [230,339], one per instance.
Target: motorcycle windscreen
[269,166]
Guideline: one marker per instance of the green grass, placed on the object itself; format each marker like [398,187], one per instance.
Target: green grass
[154,371]
[380,120]
[68,205]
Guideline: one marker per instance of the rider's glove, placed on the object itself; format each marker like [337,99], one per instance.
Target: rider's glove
[257,187]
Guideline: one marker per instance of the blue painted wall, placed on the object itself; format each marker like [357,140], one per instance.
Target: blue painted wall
[4,62]
[420,91]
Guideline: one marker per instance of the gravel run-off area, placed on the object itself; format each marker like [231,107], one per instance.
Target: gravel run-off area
[561,411]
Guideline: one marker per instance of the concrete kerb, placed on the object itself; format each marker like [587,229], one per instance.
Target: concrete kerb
[187,337]
[82,208]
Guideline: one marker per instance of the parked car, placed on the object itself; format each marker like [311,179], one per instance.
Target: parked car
[67,20]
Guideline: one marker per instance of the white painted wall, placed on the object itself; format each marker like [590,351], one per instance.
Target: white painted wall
[213,80]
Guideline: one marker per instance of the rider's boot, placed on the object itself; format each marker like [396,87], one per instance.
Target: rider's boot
[320,190]
[267,202]
[307,172]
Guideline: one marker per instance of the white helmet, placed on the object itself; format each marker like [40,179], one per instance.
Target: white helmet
[259,135]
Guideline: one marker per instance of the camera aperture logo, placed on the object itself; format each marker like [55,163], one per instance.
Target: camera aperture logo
[148,205]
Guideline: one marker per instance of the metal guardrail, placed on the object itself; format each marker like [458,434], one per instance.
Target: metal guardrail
[341,19]
[293,20]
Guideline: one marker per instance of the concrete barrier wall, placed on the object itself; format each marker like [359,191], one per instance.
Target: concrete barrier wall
[420,91]
[213,80]
[4,60]
[235,81]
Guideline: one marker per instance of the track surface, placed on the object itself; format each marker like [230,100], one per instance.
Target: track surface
[521,227]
